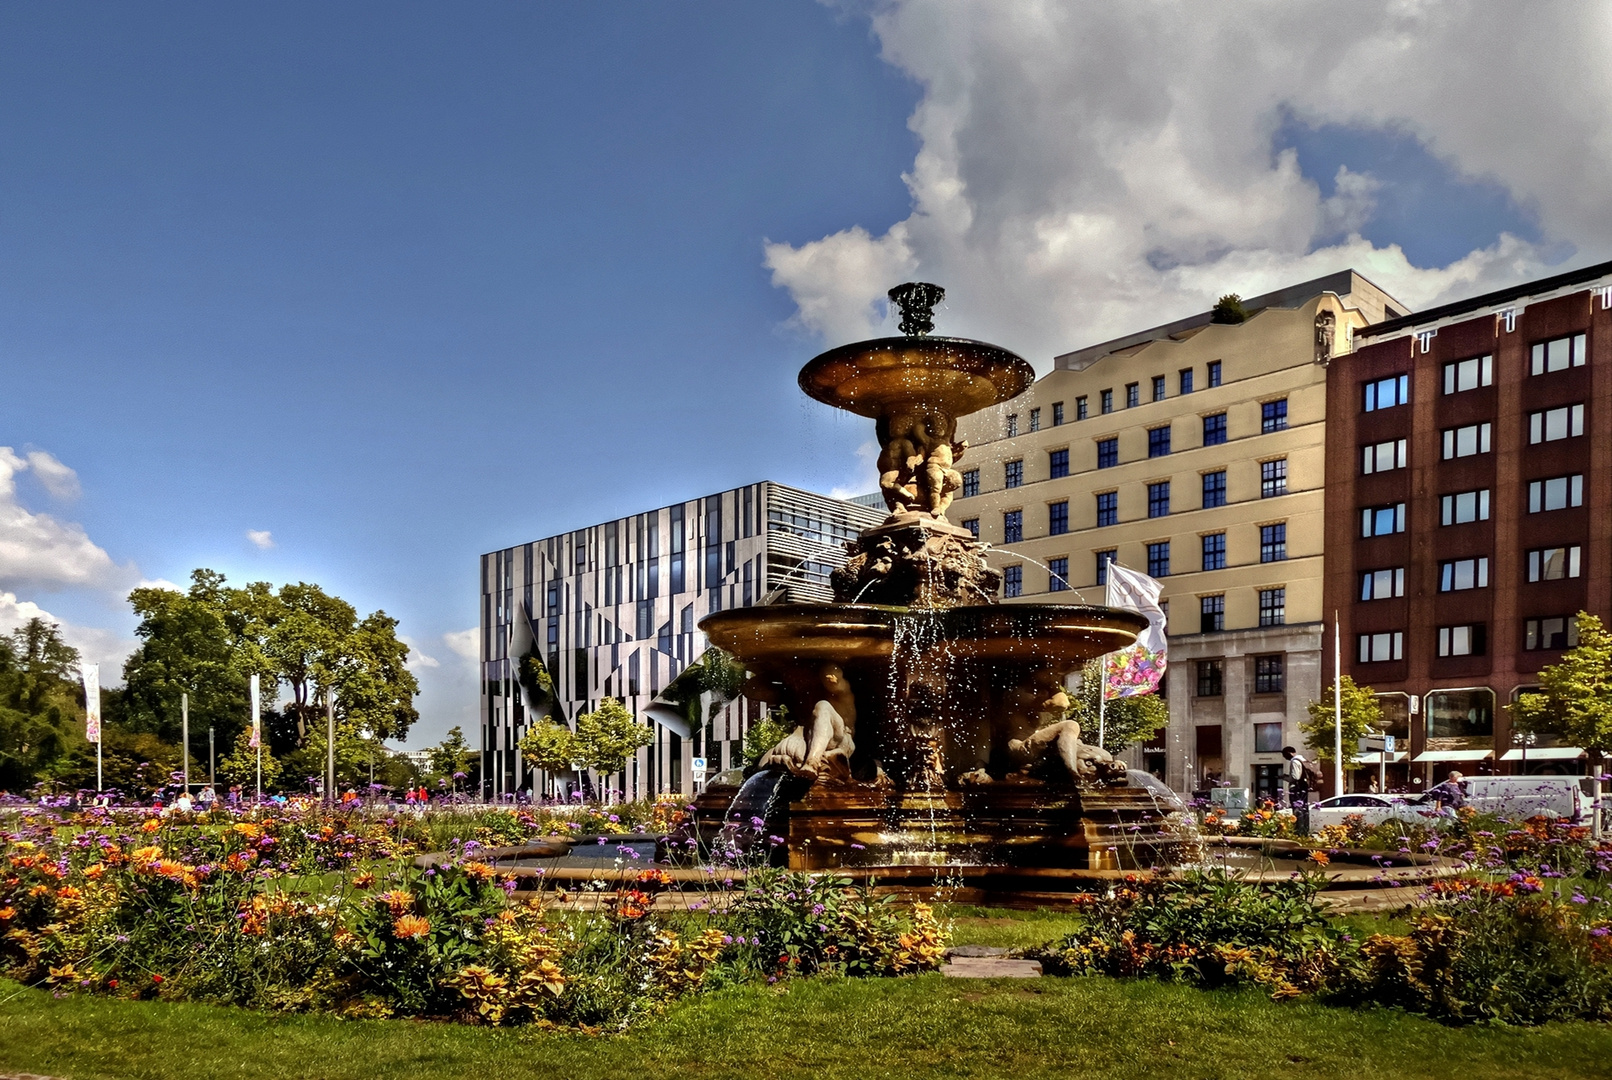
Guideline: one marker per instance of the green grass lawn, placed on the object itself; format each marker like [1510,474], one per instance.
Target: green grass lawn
[821,1029]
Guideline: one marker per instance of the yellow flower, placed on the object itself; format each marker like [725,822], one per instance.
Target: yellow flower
[151,825]
[479,870]
[399,900]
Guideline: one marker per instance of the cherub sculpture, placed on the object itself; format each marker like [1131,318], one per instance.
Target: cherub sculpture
[823,740]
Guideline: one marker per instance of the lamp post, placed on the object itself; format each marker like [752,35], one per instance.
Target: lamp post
[330,746]
[212,757]
[184,737]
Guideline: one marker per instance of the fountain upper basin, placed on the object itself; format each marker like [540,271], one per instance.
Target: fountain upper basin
[1063,635]
[876,378]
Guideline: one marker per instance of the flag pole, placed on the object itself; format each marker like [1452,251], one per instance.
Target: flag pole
[184,736]
[90,674]
[1102,698]
[1337,705]
[330,746]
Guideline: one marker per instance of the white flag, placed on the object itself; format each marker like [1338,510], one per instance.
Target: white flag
[91,674]
[257,733]
[1138,669]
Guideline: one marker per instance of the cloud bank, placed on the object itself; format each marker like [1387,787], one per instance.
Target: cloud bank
[1088,169]
[40,551]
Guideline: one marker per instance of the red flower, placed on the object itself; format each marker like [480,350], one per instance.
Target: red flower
[156,978]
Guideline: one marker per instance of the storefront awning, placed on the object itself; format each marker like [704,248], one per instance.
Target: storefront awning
[1455,755]
[1543,753]
[1376,758]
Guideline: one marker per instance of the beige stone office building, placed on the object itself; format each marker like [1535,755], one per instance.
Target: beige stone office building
[1193,451]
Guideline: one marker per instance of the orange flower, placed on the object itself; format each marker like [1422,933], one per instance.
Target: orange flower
[411,926]
[7,913]
[399,900]
[240,860]
[1319,858]
[94,870]
[67,892]
[363,881]
[142,858]
[248,830]
[151,825]
[479,870]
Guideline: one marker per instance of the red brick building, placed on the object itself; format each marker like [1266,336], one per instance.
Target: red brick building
[1469,514]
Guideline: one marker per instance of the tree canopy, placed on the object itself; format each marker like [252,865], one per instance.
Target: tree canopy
[210,639]
[1361,713]
[41,704]
[1575,693]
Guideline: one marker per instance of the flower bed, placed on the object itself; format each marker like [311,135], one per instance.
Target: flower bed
[314,911]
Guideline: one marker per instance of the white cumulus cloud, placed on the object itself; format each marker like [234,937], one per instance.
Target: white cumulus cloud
[465,644]
[58,479]
[96,646]
[1086,169]
[261,538]
[41,551]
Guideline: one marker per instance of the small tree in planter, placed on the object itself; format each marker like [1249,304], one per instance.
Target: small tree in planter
[1361,713]
[608,736]
[551,746]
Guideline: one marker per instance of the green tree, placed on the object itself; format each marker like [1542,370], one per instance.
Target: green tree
[453,758]
[1228,309]
[609,735]
[240,766]
[40,704]
[1361,714]
[1575,693]
[1123,721]
[766,733]
[551,746]
[209,640]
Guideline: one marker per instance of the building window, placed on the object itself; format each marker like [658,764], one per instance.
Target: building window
[1453,714]
[1211,614]
[1013,474]
[1214,489]
[1133,395]
[1058,574]
[1267,738]
[1383,456]
[1058,464]
[1463,375]
[1273,607]
[1553,564]
[1466,441]
[1382,584]
[1272,478]
[1382,520]
[1080,407]
[1214,551]
[1158,388]
[1214,373]
[1557,493]
[1057,414]
[1214,429]
[1012,425]
[971,483]
[1273,416]
[1012,526]
[1460,508]
[1461,640]
[1013,581]
[1158,559]
[1035,419]
[1058,518]
[1387,393]
[1103,559]
[1158,499]
[1555,633]
[1558,355]
[1376,648]
[1107,453]
[1105,401]
[1211,678]
[1158,441]
[1552,424]
[1185,381]
[1270,674]
[1273,542]
[1108,508]
[1458,575]
[973,526]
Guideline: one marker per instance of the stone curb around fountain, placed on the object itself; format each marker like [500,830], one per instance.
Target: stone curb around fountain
[990,967]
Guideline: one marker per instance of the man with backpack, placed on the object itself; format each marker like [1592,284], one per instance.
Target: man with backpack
[1299,774]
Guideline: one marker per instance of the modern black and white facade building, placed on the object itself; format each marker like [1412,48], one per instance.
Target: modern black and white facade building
[612,610]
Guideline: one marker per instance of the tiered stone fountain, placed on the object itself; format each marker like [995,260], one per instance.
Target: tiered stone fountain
[930,732]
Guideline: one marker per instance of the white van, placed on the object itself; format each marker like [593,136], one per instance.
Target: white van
[1517,798]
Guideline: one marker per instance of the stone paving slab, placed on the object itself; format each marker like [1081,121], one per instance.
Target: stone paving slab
[991,967]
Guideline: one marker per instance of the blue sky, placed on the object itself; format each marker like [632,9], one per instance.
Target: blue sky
[401,283]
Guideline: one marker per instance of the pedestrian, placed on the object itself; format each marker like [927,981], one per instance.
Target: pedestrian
[234,796]
[1449,795]
[1296,774]
[1372,786]
[207,797]
[409,799]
